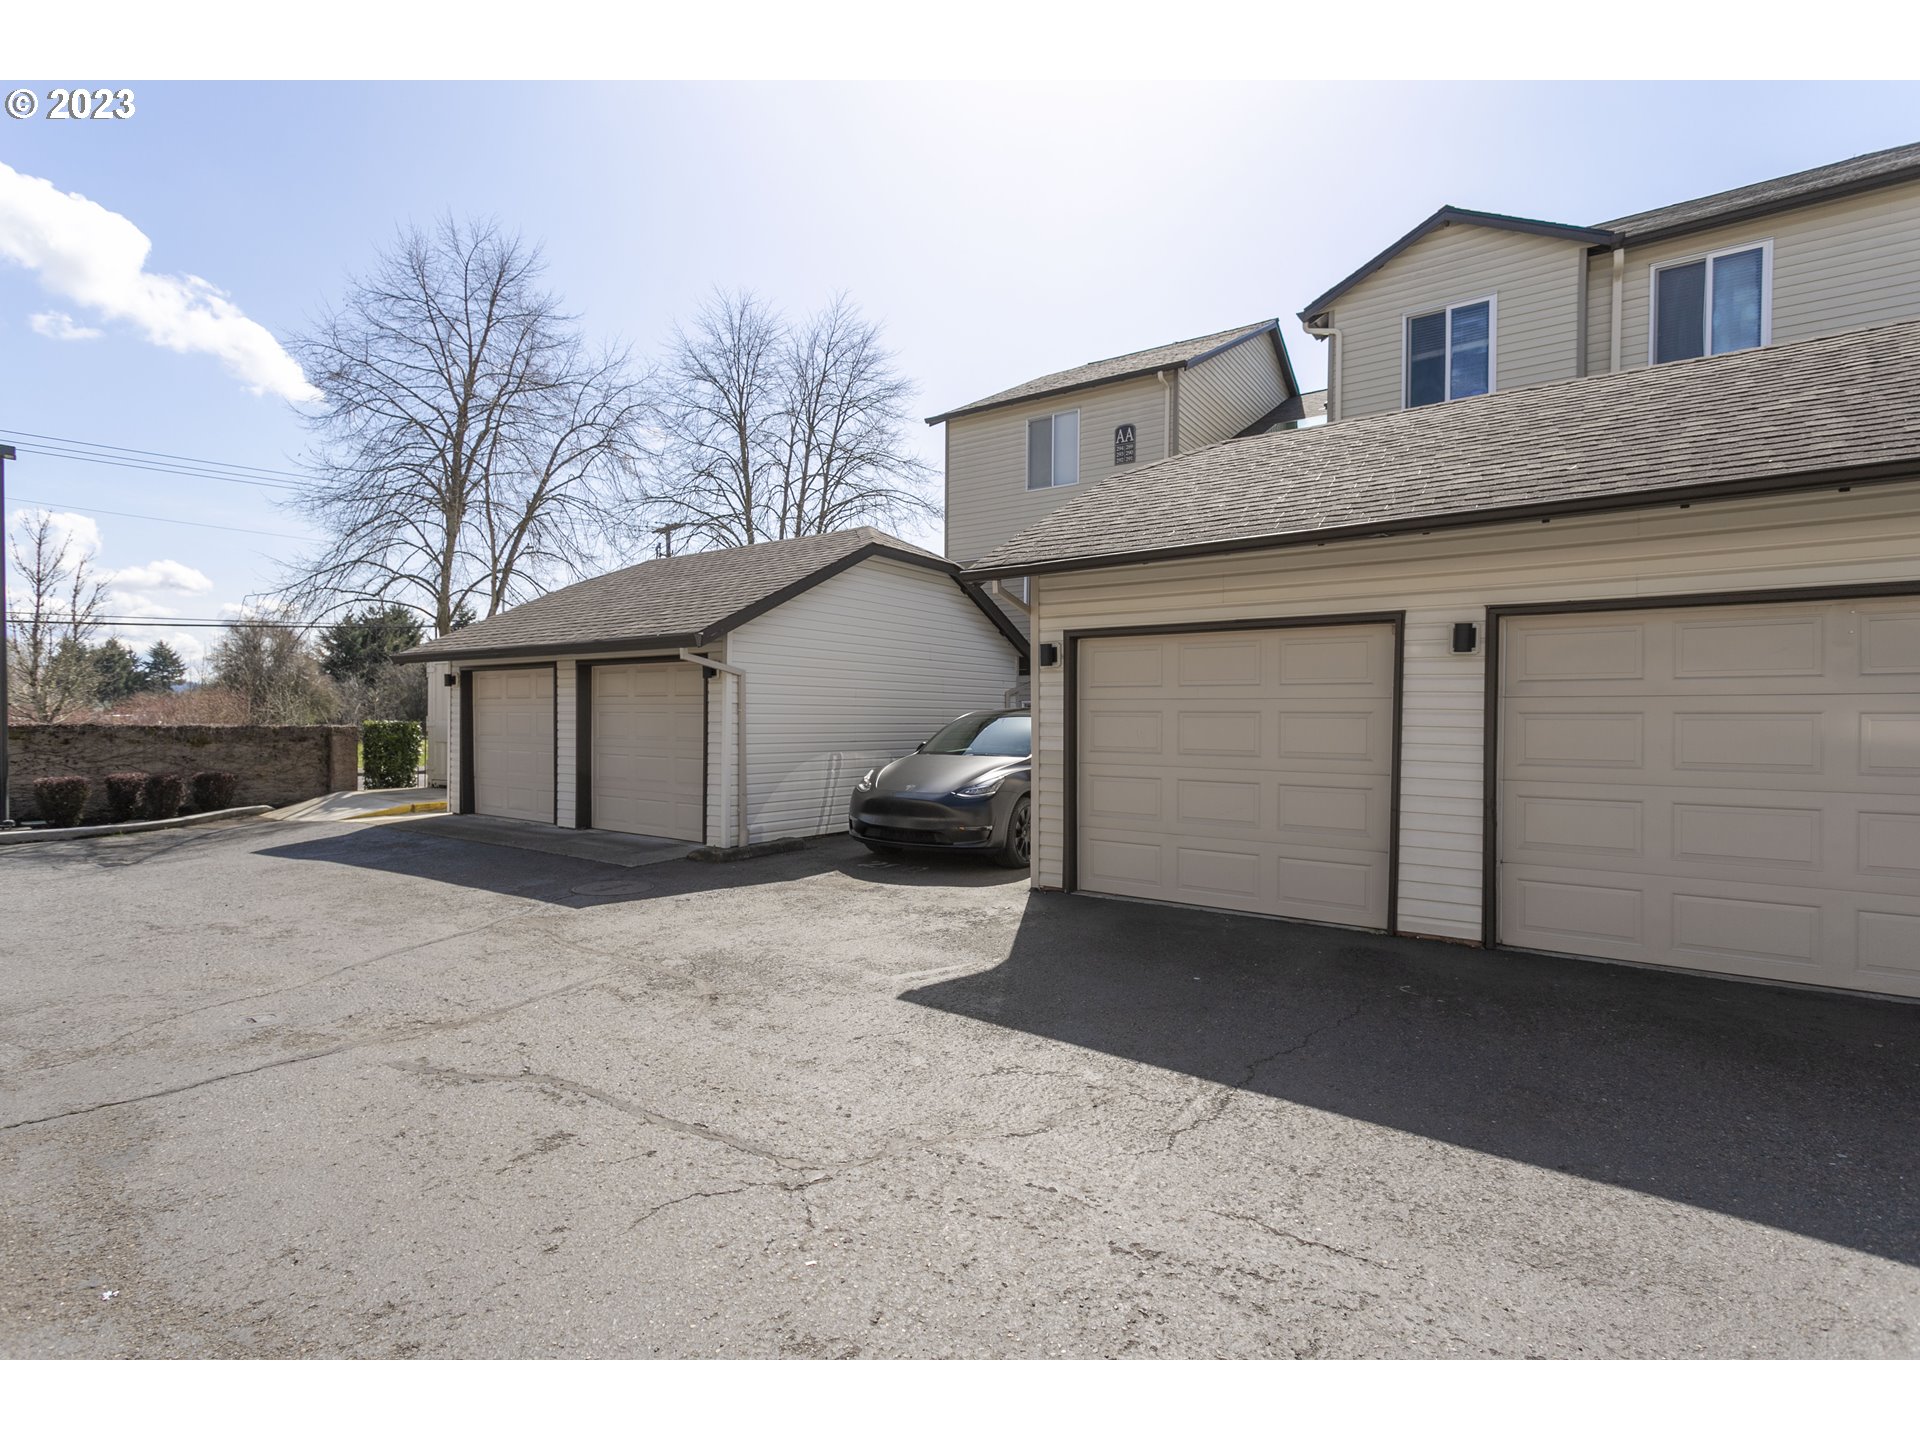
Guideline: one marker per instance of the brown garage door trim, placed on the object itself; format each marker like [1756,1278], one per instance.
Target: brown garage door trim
[1490,778]
[467,672]
[1396,620]
[583,735]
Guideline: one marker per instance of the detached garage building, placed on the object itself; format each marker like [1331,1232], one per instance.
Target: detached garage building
[1623,667]
[724,697]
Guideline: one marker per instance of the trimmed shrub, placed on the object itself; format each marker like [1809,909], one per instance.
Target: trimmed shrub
[389,752]
[62,799]
[165,794]
[126,795]
[213,789]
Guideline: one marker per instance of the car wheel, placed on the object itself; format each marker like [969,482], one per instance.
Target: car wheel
[1017,851]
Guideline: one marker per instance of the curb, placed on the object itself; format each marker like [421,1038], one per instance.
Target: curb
[129,827]
[714,854]
[418,807]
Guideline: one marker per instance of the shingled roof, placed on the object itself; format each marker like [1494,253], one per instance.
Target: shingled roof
[1823,182]
[1180,354]
[1803,187]
[681,600]
[1838,409]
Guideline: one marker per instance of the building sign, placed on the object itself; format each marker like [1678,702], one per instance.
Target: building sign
[1123,445]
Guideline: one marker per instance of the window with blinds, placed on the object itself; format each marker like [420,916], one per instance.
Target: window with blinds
[1450,353]
[1712,305]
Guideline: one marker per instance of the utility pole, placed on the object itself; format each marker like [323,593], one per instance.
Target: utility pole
[6,708]
[664,550]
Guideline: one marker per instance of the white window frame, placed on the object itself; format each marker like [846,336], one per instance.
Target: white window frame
[1054,418]
[1492,302]
[1765,247]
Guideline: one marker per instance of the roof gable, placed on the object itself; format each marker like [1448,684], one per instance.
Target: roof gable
[680,600]
[1180,355]
[1448,215]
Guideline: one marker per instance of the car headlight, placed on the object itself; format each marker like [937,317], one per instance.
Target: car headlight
[985,785]
[865,782]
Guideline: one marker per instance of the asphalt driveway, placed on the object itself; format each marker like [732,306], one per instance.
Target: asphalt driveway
[317,1089]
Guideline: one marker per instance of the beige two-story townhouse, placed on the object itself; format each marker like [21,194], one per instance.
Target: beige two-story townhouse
[1016,455]
[1589,625]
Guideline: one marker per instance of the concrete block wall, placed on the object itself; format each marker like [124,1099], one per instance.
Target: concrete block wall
[277,764]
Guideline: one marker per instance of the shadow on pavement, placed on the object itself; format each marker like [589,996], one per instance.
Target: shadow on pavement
[1789,1108]
[578,882]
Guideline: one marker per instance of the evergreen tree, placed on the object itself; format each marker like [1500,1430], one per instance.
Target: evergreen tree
[163,668]
[360,647]
[116,671]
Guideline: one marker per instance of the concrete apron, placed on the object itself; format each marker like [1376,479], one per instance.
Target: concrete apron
[604,846]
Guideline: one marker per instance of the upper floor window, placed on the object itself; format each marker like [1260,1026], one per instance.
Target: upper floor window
[1053,450]
[1711,305]
[1450,353]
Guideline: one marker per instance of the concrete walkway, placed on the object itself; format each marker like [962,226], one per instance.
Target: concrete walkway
[604,846]
[350,804]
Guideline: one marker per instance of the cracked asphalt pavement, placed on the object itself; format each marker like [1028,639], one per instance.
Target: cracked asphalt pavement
[337,1090]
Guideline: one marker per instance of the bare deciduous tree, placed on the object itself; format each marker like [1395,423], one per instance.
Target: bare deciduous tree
[768,430]
[471,448]
[268,666]
[51,675]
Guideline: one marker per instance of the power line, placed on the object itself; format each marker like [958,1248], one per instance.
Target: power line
[115,622]
[164,455]
[162,469]
[162,519]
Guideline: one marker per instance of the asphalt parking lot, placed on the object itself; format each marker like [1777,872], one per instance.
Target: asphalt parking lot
[326,1090]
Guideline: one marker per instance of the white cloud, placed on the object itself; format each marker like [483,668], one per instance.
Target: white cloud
[96,259]
[160,575]
[58,325]
[78,530]
[135,606]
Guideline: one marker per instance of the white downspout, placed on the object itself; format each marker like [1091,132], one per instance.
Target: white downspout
[1330,332]
[739,714]
[1613,329]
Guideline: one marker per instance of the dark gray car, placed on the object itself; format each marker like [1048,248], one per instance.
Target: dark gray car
[965,789]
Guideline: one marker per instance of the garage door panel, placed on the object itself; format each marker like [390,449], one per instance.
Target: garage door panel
[1756,787]
[648,763]
[513,743]
[1208,776]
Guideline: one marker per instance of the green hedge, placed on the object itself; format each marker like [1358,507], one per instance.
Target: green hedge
[390,752]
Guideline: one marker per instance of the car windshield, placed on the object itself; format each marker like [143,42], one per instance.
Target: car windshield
[984,735]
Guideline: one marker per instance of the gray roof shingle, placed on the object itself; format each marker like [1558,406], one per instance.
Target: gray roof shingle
[1839,405]
[677,600]
[1882,167]
[1141,362]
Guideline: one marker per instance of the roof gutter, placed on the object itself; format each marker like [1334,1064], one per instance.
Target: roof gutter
[1840,477]
[1337,353]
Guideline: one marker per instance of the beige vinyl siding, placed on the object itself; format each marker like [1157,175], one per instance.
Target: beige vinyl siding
[1600,313]
[1843,265]
[1537,311]
[987,497]
[1221,396]
[1822,539]
[856,671]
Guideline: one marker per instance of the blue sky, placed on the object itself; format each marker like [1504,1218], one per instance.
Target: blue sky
[998,233]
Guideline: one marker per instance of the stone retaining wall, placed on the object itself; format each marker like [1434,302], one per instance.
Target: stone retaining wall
[277,764]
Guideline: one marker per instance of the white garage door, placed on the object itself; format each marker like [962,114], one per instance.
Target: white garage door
[513,743]
[1733,789]
[649,769]
[1242,769]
